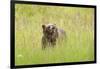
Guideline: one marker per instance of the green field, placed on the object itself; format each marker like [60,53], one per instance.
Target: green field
[77,22]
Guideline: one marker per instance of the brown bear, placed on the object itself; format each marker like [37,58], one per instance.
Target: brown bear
[50,35]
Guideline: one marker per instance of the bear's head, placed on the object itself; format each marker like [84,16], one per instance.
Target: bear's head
[50,31]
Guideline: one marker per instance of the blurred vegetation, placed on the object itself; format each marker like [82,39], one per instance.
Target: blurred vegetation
[77,22]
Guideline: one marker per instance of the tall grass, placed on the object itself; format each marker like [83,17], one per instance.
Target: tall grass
[77,22]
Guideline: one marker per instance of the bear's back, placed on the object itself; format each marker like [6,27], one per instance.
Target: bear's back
[61,33]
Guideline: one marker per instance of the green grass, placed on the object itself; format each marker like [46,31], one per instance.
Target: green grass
[77,22]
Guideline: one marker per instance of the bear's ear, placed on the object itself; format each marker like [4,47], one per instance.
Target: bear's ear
[43,26]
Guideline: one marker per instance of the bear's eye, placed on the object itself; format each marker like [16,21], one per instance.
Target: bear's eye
[53,28]
[49,27]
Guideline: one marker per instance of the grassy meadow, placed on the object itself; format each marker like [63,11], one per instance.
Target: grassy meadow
[77,22]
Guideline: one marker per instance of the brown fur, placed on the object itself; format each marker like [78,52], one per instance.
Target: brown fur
[50,35]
